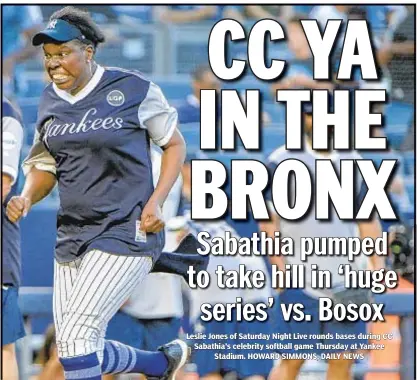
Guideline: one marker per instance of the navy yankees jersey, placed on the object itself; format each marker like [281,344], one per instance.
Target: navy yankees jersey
[12,138]
[99,141]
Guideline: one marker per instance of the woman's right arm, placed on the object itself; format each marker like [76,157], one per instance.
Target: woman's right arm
[40,171]
[38,185]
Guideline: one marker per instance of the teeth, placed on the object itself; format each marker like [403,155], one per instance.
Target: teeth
[59,77]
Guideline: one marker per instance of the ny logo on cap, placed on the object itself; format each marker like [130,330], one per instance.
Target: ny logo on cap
[52,24]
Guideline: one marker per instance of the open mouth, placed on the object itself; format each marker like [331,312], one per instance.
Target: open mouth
[59,78]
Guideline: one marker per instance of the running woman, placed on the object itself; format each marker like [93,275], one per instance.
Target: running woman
[93,139]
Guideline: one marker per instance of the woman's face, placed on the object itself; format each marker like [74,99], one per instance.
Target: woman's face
[68,65]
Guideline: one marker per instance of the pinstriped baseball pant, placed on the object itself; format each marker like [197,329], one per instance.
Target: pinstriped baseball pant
[87,293]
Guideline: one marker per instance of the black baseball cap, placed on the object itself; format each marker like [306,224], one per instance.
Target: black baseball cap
[58,30]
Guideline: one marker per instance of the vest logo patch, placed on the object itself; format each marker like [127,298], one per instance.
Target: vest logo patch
[115,98]
[140,236]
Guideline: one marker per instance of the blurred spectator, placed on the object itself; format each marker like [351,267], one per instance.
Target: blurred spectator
[51,368]
[138,13]
[394,15]
[409,143]
[12,130]
[300,68]
[382,54]
[275,12]
[384,19]
[189,109]
[266,118]
[22,23]
[323,13]
[181,14]
[303,9]
[382,48]
[402,65]
[386,48]
[381,17]
[203,79]
[297,42]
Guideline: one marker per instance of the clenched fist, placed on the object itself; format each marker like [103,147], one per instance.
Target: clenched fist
[17,207]
[152,219]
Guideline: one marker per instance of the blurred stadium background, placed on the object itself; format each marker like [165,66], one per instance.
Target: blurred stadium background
[152,40]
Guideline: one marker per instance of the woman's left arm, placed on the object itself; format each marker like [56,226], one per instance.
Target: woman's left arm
[173,157]
[161,121]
